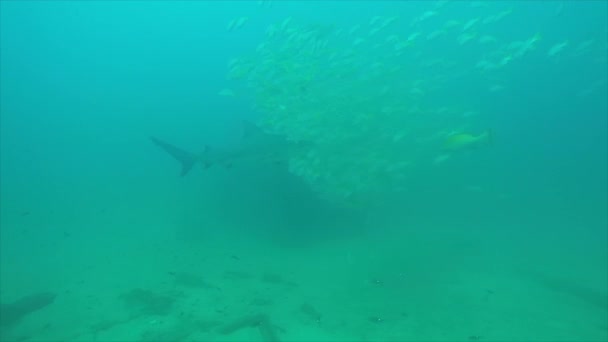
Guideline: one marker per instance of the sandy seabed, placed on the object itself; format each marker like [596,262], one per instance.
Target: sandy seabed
[124,278]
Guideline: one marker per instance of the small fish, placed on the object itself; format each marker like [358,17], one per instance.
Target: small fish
[489,20]
[473,188]
[388,21]
[424,16]
[230,25]
[487,39]
[497,17]
[583,47]
[236,24]
[264,3]
[470,114]
[557,48]
[461,141]
[374,20]
[506,60]
[353,29]
[285,23]
[427,15]
[226,92]
[440,159]
[271,30]
[469,24]
[465,38]
[374,31]
[240,22]
[397,137]
[451,23]
[528,45]
[417,91]
[412,36]
[358,41]
[485,65]
[440,3]
[477,4]
[559,9]
[496,88]
[434,34]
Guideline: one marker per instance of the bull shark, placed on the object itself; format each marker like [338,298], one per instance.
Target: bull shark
[256,145]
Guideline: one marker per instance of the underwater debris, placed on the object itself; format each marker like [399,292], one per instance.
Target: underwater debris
[175,332]
[377,282]
[276,279]
[312,313]
[105,325]
[144,302]
[241,323]
[261,321]
[272,278]
[261,302]
[375,319]
[237,275]
[192,281]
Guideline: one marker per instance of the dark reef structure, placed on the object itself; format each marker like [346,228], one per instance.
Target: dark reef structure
[13,313]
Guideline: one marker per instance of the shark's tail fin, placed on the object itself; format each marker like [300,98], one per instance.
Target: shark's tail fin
[186,158]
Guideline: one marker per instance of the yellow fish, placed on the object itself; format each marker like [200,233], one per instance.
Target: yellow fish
[460,141]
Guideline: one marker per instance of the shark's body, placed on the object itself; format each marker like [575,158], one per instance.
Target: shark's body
[255,146]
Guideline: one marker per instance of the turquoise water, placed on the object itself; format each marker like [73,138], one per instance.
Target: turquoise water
[419,171]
